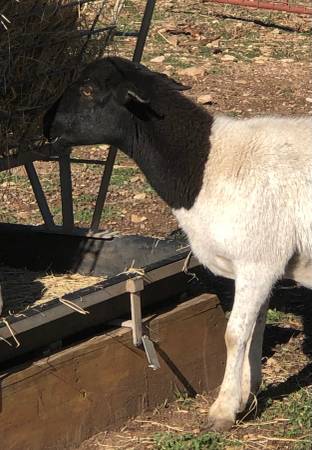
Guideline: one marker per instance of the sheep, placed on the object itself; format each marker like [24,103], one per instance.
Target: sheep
[241,189]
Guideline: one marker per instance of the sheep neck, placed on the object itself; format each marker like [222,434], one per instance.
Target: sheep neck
[172,152]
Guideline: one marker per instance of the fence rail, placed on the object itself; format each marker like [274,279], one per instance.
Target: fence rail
[285,6]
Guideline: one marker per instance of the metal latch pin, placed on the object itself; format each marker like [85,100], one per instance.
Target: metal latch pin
[135,286]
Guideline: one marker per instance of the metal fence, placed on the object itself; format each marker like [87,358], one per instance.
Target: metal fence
[297,7]
[46,153]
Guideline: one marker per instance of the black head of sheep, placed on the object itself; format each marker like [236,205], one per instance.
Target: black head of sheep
[101,106]
[142,112]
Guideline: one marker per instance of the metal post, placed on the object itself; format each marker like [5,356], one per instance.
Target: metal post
[135,286]
[107,173]
[39,195]
[66,192]
[145,26]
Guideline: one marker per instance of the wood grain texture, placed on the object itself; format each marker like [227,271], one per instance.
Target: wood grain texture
[57,402]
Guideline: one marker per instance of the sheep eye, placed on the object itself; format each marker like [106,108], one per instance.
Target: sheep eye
[87,91]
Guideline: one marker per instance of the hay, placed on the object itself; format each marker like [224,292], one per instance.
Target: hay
[22,288]
[43,44]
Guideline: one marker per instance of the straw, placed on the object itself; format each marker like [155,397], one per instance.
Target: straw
[22,288]
[43,46]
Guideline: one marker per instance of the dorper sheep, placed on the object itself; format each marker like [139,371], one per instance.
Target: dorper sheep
[241,189]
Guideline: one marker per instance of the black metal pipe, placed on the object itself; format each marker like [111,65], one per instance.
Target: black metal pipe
[126,33]
[66,192]
[137,56]
[145,26]
[100,201]
[96,162]
[39,195]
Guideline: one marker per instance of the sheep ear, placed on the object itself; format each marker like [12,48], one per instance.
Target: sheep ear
[138,96]
[126,92]
[173,84]
[136,102]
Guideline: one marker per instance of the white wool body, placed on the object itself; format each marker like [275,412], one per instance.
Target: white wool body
[255,204]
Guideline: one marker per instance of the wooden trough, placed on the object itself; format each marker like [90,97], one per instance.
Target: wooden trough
[74,375]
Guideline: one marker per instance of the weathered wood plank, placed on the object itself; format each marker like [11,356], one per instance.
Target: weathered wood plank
[59,401]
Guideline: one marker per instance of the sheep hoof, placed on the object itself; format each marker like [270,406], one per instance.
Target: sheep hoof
[217,424]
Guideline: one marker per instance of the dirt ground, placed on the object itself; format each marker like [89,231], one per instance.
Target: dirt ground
[241,62]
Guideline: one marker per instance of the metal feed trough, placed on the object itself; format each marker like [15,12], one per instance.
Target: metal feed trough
[85,363]
[90,357]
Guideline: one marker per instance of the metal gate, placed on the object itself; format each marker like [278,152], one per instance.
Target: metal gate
[297,7]
[45,153]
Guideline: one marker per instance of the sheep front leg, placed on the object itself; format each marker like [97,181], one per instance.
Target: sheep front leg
[251,292]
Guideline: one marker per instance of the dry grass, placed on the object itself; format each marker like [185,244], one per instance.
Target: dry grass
[22,288]
[42,46]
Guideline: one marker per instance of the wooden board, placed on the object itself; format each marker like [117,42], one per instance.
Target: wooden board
[59,401]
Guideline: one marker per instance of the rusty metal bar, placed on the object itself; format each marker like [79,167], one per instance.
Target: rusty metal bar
[39,195]
[274,6]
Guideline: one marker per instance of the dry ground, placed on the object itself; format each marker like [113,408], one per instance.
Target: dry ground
[244,62]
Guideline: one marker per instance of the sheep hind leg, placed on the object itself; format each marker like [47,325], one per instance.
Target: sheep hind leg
[252,289]
[251,378]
